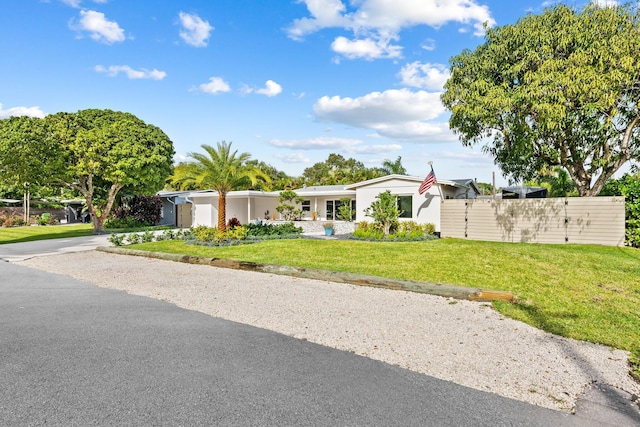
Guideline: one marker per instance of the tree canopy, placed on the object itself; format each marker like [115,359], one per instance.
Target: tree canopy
[391,167]
[338,170]
[556,89]
[100,152]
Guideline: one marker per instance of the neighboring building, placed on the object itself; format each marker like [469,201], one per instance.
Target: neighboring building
[524,192]
[324,201]
[176,209]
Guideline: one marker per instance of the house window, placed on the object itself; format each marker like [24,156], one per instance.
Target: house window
[405,204]
[306,206]
[333,207]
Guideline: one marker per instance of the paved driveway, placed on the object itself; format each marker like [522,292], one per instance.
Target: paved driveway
[73,354]
[13,252]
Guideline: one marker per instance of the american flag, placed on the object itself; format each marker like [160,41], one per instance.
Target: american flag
[428,182]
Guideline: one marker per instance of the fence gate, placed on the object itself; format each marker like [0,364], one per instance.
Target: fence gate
[183,212]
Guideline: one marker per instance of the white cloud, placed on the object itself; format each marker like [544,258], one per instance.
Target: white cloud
[468,157]
[374,149]
[368,48]
[322,143]
[179,158]
[380,107]
[215,85]
[76,3]
[325,14]
[417,131]
[143,73]
[397,114]
[424,76]
[344,145]
[429,44]
[376,22]
[270,89]
[195,31]
[434,13]
[21,111]
[292,158]
[100,29]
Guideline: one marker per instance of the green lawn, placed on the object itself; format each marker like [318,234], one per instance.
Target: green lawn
[586,292]
[31,233]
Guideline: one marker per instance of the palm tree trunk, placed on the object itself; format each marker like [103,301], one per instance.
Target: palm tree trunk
[222,211]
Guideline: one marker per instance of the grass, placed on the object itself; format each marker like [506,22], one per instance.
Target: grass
[46,232]
[585,292]
[29,234]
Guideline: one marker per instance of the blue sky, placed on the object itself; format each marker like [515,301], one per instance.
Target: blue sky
[289,81]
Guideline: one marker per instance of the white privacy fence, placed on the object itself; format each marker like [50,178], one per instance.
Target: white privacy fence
[598,220]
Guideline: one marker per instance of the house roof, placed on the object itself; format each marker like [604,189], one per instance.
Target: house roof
[325,190]
[169,194]
[459,183]
[385,178]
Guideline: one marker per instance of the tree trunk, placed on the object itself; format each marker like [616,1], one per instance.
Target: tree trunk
[222,211]
[98,224]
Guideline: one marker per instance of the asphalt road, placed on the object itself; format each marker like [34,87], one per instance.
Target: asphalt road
[72,354]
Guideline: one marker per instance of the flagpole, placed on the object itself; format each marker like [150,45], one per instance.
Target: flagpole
[437,184]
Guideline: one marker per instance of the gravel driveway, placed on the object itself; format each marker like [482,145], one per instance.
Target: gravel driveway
[466,342]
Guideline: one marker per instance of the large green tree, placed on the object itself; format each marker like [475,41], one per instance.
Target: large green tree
[220,169]
[26,157]
[100,152]
[338,170]
[558,89]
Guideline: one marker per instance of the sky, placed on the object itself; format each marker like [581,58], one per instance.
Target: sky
[288,81]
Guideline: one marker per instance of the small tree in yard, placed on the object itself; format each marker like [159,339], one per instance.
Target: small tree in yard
[384,211]
[345,210]
[288,200]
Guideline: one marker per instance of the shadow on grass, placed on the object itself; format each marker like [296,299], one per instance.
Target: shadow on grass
[549,322]
[552,323]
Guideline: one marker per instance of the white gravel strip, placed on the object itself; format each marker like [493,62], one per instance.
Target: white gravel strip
[466,342]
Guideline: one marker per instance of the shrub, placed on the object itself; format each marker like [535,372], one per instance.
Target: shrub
[233,222]
[212,236]
[286,229]
[287,208]
[404,231]
[128,222]
[147,236]
[133,238]
[46,219]
[629,187]
[140,210]
[117,239]
[385,212]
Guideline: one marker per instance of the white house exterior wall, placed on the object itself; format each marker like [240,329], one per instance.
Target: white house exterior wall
[426,207]
[237,208]
[205,211]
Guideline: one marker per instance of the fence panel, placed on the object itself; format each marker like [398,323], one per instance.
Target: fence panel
[598,220]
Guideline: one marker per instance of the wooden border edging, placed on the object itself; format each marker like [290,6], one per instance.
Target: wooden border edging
[458,292]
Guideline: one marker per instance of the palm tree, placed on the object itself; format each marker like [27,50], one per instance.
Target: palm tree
[391,167]
[219,169]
